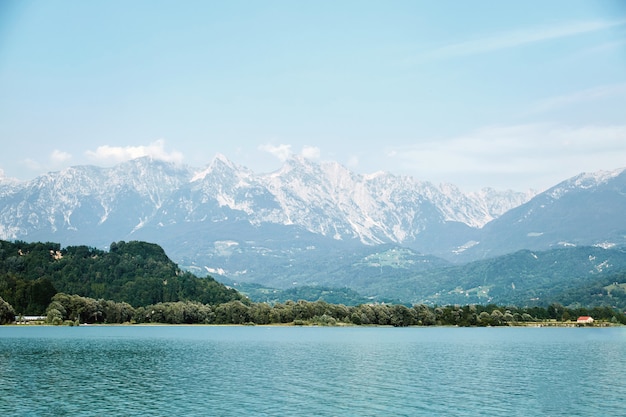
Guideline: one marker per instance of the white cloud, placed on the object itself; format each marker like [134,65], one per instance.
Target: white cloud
[522,156]
[59,157]
[311,152]
[155,150]
[516,38]
[4,178]
[582,96]
[282,152]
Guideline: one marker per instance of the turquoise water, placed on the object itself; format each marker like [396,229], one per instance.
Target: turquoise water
[310,371]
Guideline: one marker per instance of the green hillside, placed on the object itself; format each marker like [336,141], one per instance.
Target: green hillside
[137,273]
[569,275]
[141,274]
[345,296]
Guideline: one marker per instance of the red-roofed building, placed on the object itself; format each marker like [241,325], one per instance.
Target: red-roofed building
[584,320]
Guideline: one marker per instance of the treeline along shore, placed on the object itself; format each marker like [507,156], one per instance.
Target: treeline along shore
[135,282]
[74,310]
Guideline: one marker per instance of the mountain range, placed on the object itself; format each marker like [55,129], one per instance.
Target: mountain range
[307,223]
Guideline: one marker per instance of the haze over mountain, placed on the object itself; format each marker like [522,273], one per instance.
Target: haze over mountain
[307,222]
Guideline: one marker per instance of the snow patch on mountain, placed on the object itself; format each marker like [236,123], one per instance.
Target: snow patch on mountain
[583,181]
[588,180]
[605,245]
[468,245]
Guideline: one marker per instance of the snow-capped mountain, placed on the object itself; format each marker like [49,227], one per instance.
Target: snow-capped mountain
[227,219]
[87,204]
[588,209]
[330,200]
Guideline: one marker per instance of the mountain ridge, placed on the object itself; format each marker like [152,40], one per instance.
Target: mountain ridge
[291,189]
[268,227]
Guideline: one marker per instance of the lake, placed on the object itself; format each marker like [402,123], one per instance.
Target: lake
[311,371]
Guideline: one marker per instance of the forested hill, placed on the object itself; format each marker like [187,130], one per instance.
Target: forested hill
[138,273]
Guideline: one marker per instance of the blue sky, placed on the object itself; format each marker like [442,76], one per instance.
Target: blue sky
[475,93]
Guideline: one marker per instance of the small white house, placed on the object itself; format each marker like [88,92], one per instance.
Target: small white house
[584,320]
[29,319]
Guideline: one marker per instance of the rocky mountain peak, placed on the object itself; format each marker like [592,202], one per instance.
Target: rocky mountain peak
[221,167]
[584,181]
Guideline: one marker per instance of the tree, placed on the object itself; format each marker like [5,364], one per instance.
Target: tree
[54,316]
[424,315]
[232,312]
[402,316]
[555,311]
[7,314]
[260,313]
[484,319]
[497,317]
[526,317]
[508,317]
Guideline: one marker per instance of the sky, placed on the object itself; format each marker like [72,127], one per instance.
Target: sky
[504,94]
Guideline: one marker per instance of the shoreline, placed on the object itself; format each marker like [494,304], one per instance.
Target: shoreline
[338,325]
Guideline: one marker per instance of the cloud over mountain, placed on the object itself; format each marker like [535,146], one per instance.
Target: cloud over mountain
[155,150]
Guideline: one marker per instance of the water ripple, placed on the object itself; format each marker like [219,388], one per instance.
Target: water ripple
[265,371]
